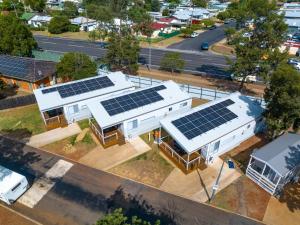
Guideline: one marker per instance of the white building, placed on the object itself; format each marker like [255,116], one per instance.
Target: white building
[84,23]
[185,15]
[38,21]
[276,163]
[210,130]
[66,103]
[131,114]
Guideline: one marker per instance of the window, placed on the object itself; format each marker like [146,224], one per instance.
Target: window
[183,104]
[216,147]
[170,109]
[249,125]
[132,124]
[15,187]
[73,109]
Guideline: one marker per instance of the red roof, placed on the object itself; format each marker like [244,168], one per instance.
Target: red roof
[166,20]
[158,26]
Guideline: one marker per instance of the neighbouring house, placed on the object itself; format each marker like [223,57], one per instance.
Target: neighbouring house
[84,23]
[39,20]
[27,73]
[27,16]
[291,13]
[66,103]
[210,130]
[120,118]
[276,163]
[167,20]
[158,27]
[188,15]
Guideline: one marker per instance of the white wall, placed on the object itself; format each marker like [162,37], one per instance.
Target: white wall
[233,139]
[150,121]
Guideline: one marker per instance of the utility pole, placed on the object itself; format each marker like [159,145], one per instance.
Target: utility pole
[216,185]
[150,51]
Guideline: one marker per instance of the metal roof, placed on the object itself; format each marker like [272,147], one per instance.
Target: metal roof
[8,179]
[27,69]
[54,100]
[282,154]
[246,110]
[171,95]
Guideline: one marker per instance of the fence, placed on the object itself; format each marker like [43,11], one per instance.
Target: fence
[194,91]
[169,35]
[17,101]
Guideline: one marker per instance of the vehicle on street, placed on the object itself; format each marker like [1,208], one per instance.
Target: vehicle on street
[194,34]
[212,27]
[298,52]
[296,37]
[103,44]
[12,185]
[249,78]
[295,63]
[229,20]
[204,46]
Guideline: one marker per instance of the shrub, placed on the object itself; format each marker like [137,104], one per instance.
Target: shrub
[42,28]
[58,25]
[73,28]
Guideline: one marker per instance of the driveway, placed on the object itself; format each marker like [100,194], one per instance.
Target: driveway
[84,194]
[210,36]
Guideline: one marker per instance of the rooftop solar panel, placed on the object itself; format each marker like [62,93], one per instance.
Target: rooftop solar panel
[132,101]
[80,87]
[204,120]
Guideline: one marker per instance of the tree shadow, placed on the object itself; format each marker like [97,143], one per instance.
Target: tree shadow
[22,134]
[136,205]
[13,157]
[8,91]
[214,71]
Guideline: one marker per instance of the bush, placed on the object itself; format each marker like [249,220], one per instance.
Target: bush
[58,25]
[73,28]
[42,28]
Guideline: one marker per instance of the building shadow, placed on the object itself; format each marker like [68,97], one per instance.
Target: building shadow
[214,71]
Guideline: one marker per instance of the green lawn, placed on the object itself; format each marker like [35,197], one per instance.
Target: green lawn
[27,119]
[83,124]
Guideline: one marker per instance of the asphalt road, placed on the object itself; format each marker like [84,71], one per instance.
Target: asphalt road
[209,36]
[85,194]
[195,63]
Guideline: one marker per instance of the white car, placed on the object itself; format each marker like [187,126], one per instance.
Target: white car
[194,34]
[249,78]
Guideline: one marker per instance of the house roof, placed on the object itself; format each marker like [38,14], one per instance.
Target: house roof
[166,20]
[27,69]
[171,94]
[293,22]
[158,26]
[243,107]
[54,100]
[41,18]
[81,20]
[8,179]
[27,16]
[282,154]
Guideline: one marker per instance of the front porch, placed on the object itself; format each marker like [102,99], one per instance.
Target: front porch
[54,119]
[109,136]
[259,172]
[184,161]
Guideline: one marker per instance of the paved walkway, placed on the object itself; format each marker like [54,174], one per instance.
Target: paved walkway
[278,213]
[105,159]
[198,184]
[54,135]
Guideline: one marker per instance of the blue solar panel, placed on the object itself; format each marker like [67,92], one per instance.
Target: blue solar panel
[80,87]
[204,120]
[132,101]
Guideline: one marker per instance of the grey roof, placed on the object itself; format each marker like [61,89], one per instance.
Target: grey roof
[28,69]
[282,154]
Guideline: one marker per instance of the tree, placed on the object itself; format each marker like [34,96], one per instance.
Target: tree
[70,9]
[187,31]
[229,32]
[199,3]
[58,25]
[75,66]
[123,50]
[207,22]
[118,218]
[13,5]
[282,98]
[166,12]
[15,37]
[223,15]
[260,54]
[36,5]
[152,5]
[172,61]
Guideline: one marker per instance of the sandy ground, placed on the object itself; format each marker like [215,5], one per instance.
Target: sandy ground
[225,85]
[8,217]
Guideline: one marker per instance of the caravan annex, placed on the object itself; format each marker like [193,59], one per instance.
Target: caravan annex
[66,103]
[128,115]
[210,130]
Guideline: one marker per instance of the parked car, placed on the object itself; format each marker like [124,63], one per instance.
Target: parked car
[295,63]
[103,44]
[204,46]
[298,52]
[194,34]
[249,79]
[212,27]
[296,37]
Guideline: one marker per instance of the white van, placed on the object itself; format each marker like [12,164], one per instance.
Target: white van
[12,185]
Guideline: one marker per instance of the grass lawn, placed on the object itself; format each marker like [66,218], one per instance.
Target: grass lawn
[25,120]
[149,168]
[71,149]
[83,124]
[73,35]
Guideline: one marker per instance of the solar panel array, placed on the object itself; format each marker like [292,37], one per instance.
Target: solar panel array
[205,120]
[132,101]
[80,87]
[14,66]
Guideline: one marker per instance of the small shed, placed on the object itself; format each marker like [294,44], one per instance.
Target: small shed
[276,164]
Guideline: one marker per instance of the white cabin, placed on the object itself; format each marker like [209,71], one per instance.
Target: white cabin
[12,185]
[66,103]
[210,130]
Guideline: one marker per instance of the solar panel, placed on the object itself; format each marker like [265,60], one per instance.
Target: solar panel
[132,101]
[80,87]
[204,120]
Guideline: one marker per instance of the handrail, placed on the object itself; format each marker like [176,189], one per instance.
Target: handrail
[102,137]
[171,149]
[260,178]
[53,119]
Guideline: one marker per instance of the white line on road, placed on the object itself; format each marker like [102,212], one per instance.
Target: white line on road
[41,187]
[48,42]
[80,46]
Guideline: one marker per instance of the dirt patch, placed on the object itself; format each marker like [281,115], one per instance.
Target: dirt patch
[7,217]
[198,101]
[243,197]
[201,81]
[223,49]
[163,43]
[291,196]
[71,149]
[149,168]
